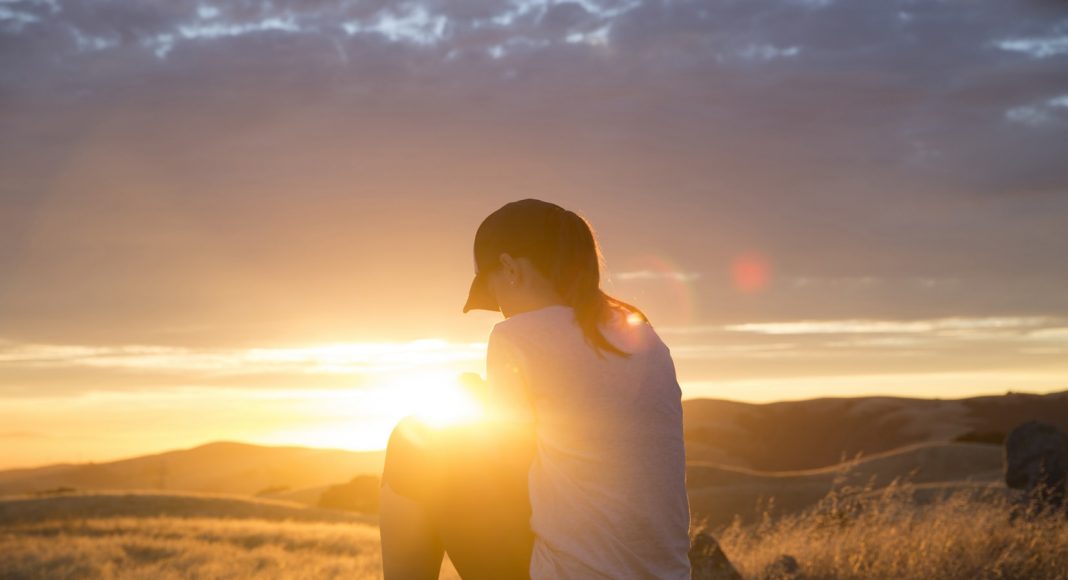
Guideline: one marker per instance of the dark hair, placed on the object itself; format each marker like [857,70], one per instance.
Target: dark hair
[562,246]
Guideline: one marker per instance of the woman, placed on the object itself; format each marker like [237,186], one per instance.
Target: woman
[578,470]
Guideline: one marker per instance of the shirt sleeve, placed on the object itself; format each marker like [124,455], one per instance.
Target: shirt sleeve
[508,395]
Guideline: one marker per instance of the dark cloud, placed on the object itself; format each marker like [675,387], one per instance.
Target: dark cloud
[239,167]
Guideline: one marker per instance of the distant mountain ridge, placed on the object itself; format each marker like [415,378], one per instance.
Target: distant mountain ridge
[722,437]
[817,433]
[219,467]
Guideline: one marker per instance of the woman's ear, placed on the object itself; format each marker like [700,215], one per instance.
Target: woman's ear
[511,268]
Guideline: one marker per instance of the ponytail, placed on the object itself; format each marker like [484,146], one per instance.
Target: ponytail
[576,275]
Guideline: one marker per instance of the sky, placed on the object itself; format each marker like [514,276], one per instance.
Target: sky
[253,220]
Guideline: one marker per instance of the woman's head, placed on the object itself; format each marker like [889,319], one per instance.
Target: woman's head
[535,252]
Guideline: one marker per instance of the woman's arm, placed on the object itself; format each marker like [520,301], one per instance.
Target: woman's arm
[510,413]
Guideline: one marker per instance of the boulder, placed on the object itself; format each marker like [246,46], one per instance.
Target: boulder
[708,562]
[1036,461]
[784,567]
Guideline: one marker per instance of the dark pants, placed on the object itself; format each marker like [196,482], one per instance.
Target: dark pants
[478,505]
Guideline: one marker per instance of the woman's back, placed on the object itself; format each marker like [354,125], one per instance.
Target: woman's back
[607,483]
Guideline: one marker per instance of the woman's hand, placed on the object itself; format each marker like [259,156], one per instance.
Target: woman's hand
[475,385]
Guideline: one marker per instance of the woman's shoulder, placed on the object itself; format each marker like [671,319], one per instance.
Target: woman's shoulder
[542,331]
[554,328]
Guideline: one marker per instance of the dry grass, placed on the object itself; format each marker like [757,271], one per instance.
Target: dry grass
[721,493]
[902,532]
[75,537]
[168,547]
[137,504]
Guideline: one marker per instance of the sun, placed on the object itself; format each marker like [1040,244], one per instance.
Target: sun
[439,400]
[362,419]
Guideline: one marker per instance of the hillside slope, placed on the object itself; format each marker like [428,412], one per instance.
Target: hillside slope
[222,467]
[816,433]
[718,493]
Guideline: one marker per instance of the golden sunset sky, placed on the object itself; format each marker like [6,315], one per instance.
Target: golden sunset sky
[253,222]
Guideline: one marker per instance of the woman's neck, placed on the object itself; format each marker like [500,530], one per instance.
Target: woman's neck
[533,301]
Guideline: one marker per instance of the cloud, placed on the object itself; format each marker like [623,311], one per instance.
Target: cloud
[891,326]
[1054,334]
[767,52]
[1036,47]
[15,20]
[414,25]
[24,435]
[347,358]
[957,327]
[216,165]
[1043,114]
[800,350]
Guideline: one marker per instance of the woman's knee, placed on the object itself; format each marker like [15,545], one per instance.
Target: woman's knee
[421,459]
[409,461]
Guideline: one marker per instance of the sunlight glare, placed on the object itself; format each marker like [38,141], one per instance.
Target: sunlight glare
[439,400]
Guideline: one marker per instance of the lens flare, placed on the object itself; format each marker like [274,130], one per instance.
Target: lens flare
[750,272]
[660,286]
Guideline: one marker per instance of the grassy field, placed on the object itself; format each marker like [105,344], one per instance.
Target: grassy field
[150,536]
[172,547]
[721,493]
[905,531]
[901,531]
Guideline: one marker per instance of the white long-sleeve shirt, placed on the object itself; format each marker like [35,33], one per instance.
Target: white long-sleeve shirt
[607,483]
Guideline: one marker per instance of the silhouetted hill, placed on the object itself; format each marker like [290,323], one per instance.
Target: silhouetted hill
[21,509]
[718,493]
[726,441]
[817,433]
[222,467]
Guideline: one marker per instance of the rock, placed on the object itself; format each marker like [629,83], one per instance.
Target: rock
[708,562]
[783,568]
[1036,461]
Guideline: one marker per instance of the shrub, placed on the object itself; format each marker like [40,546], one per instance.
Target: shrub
[358,495]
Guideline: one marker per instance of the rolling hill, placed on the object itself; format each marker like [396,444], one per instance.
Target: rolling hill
[21,509]
[795,435]
[718,493]
[222,467]
[738,454]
